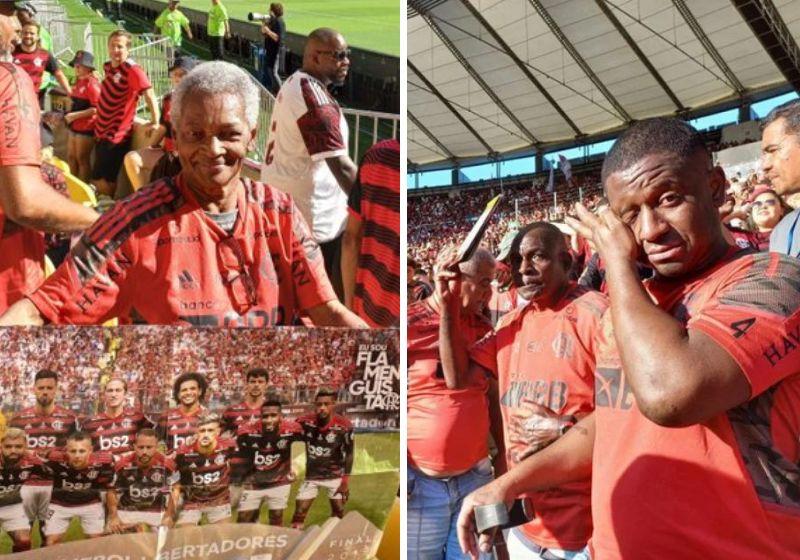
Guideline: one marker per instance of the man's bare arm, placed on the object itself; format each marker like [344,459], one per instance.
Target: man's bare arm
[334,314]
[351,247]
[29,201]
[22,312]
[345,172]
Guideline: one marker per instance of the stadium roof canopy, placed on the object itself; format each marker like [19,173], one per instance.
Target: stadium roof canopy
[488,77]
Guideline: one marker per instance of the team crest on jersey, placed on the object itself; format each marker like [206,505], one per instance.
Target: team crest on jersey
[58,425]
[219,460]
[91,475]
[563,345]
[331,437]
[156,477]
[23,475]
[282,444]
[116,77]
[28,426]
[37,62]
[127,424]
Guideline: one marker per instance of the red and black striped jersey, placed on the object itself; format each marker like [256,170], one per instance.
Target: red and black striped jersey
[35,63]
[205,478]
[166,122]
[375,201]
[45,432]
[269,454]
[115,434]
[327,447]
[77,487]
[262,273]
[144,489]
[177,429]
[119,94]
[14,475]
[236,419]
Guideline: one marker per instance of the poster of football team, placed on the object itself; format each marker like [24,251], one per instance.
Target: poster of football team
[149,430]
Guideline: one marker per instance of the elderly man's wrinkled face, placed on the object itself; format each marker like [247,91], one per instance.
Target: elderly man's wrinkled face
[541,268]
[212,139]
[7,35]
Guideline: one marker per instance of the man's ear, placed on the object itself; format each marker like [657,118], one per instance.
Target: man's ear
[251,146]
[717,183]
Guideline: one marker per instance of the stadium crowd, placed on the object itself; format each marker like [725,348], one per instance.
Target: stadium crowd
[299,248]
[619,377]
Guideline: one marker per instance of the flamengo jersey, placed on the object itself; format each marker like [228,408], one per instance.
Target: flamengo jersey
[237,419]
[45,432]
[35,63]
[119,93]
[261,274]
[269,454]
[375,199]
[547,355]
[176,429]
[144,489]
[656,490]
[115,434]
[13,476]
[85,95]
[204,478]
[327,447]
[79,487]
[307,127]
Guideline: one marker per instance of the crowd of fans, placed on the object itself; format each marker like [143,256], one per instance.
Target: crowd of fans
[299,361]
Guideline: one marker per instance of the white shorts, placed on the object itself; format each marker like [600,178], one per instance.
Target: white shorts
[277,498]
[92,517]
[310,488]
[133,517]
[36,500]
[214,514]
[14,518]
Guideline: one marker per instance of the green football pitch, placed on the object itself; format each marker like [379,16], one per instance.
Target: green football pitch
[369,24]
[373,485]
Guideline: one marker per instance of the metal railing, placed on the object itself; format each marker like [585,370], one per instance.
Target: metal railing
[153,53]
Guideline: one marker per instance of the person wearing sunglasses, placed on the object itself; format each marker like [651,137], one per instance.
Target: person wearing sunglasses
[766,210]
[207,247]
[307,152]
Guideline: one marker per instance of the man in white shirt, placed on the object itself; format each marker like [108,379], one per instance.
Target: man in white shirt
[307,154]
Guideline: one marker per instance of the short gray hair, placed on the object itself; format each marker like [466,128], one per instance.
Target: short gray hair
[480,257]
[214,78]
[790,112]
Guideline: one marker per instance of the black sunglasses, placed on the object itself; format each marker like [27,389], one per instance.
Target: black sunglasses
[338,55]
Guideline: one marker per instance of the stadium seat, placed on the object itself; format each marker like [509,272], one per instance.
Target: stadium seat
[80,191]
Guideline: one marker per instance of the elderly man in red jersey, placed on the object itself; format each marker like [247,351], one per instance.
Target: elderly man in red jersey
[212,248]
[693,443]
[448,416]
[543,356]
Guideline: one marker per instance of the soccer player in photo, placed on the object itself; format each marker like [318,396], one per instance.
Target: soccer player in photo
[177,425]
[47,427]
[17,467]
[142,486]
[79,475]
[238,416]
[115,428]
[205,474]
[329,457]
[268,449]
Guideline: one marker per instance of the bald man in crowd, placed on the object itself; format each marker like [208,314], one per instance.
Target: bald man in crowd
[307,154]
[449,416]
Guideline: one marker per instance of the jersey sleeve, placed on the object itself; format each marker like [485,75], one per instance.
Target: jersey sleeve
[311,282]
[52,64]
[93,92]
[755,317]
[89,286]
[484,352]
[19,107]
[139,80]
[320,126]
[161,20]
